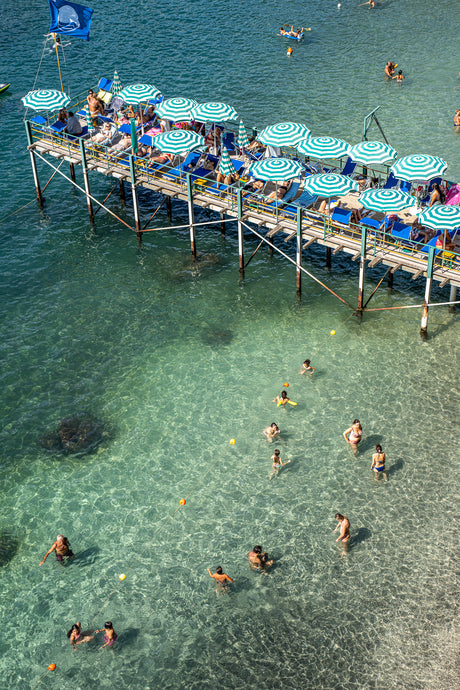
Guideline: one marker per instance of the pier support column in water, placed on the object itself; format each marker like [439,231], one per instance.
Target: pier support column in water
[122,192]
[298,253]
[239,199]
[72,171]
[452,298]
[191,217]
[135,201]
[222,224]
[328,257]
[429,280]
[362,264]
[33,162]
[168,208]
[390,279]
[84,168]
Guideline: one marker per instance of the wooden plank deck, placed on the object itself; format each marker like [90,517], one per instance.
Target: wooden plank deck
[338,238]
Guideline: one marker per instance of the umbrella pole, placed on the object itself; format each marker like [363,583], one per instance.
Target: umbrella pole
[33,162]
[429,280]
[191,215]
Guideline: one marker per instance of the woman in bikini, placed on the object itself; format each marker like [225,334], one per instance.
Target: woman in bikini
[353,435]
[378,463]
[277,464]
[271,431]
[110,635]
[76,636]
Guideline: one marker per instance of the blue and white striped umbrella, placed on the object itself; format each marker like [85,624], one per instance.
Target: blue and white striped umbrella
[226,166]
[176,109]
[372,152]
[386,200]
[324,147]
[243,140]
[213,112]
[329,184]
[46,99]
[440,217]
[139,93]
[178,141]
[276,169]
[418,167]
[283,134]
[89,119]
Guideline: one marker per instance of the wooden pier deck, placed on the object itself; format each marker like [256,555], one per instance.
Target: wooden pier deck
[255,215]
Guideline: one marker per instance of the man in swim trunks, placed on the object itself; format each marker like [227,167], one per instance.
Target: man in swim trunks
[221,579]
[259,560]
[389,69]
[344,524]
[62,548]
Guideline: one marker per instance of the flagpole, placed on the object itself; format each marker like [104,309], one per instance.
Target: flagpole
[59,66]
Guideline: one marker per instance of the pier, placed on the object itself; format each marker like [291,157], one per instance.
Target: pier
[251,214]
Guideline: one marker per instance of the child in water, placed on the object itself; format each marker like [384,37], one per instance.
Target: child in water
[399,77]
[271,431]
[277,463]
[109,634]
[306,366]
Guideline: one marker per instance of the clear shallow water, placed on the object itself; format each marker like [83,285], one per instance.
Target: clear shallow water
[176,359]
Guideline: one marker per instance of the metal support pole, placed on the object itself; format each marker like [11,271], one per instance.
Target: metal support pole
[328,257]
[33,162]
[390,280]
[169,208]
[429,281]
[298,253]
[86,180]
[122,192]
[222,224]
[72,171]
[191,217]
[137,220]
[239,199]
[452,298]
[362,264]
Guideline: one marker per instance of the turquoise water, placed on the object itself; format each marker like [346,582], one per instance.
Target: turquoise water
[174,359]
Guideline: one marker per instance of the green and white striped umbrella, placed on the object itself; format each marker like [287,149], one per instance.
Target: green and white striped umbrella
[116,86]
[283,134]
[139,93]
[226,166]
[178,141]
[213,112]
[243,140]
[330,184]
[418,167]
[369,152]
[440,217]
[386,200]
[46,99]
[324,147]
[176,109]
[89,119]
[276,169]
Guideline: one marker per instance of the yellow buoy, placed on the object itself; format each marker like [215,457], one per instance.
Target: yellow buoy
[122,576]
[332,332]
[232,441]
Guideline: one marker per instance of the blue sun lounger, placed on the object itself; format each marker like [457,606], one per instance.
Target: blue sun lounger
[180,170]
[341,216]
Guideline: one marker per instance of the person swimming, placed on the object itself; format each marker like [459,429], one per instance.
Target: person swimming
[221,579]
[62,548]
[353,435]
[259,560]
[344,534]
[75,634]
[378,463]
[306,366]
[110,636]
[283,400]
[277,463]
[271,431]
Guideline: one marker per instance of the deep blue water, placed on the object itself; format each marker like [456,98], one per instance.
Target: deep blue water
[173,359]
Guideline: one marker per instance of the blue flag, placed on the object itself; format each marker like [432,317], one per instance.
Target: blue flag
[70,19]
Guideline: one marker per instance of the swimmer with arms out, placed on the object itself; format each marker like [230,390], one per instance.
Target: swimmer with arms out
[271,431]
[221,579]
[283,400]
[353,435]
[62,548]
[344,525]
[277,463]
[110,635]
[258,560]
[378,463]
[306,366]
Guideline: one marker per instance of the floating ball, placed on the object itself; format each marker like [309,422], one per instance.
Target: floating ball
[332,332]
[232,441]
[286,385]
[182,501]
[122,576]
[51,667]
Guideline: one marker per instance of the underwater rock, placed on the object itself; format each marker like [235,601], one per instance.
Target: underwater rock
[193,268]
[9,546]
[75,436]
[216,337]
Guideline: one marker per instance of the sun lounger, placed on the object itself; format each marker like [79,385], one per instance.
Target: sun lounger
[228,141]
[391,182]
[405,186]
[424,248]
[180,170]
[341,216]
[349,167]
[38,120]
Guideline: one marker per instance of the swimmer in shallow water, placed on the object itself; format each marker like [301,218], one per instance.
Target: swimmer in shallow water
[221,579]
[283,400]
[344,534]
[353,435]
[62,548]
[378,463]
[110,635]
[258,560]
[77,637]
[307,368]
[277,463]
[271,431]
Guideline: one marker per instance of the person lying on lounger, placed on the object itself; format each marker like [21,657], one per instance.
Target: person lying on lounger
[107,131]
[123,144]
[253,186]
[280,191]
[227,179]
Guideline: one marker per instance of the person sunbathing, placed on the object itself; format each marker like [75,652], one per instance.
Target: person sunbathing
[282,32]
[446,242]
[280,191]
[162,158]
[227,179]
[123,144]
[107,131]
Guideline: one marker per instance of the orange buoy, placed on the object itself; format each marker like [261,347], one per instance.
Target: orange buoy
[51,667]
[286,385]
[289,51]
[182,501]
